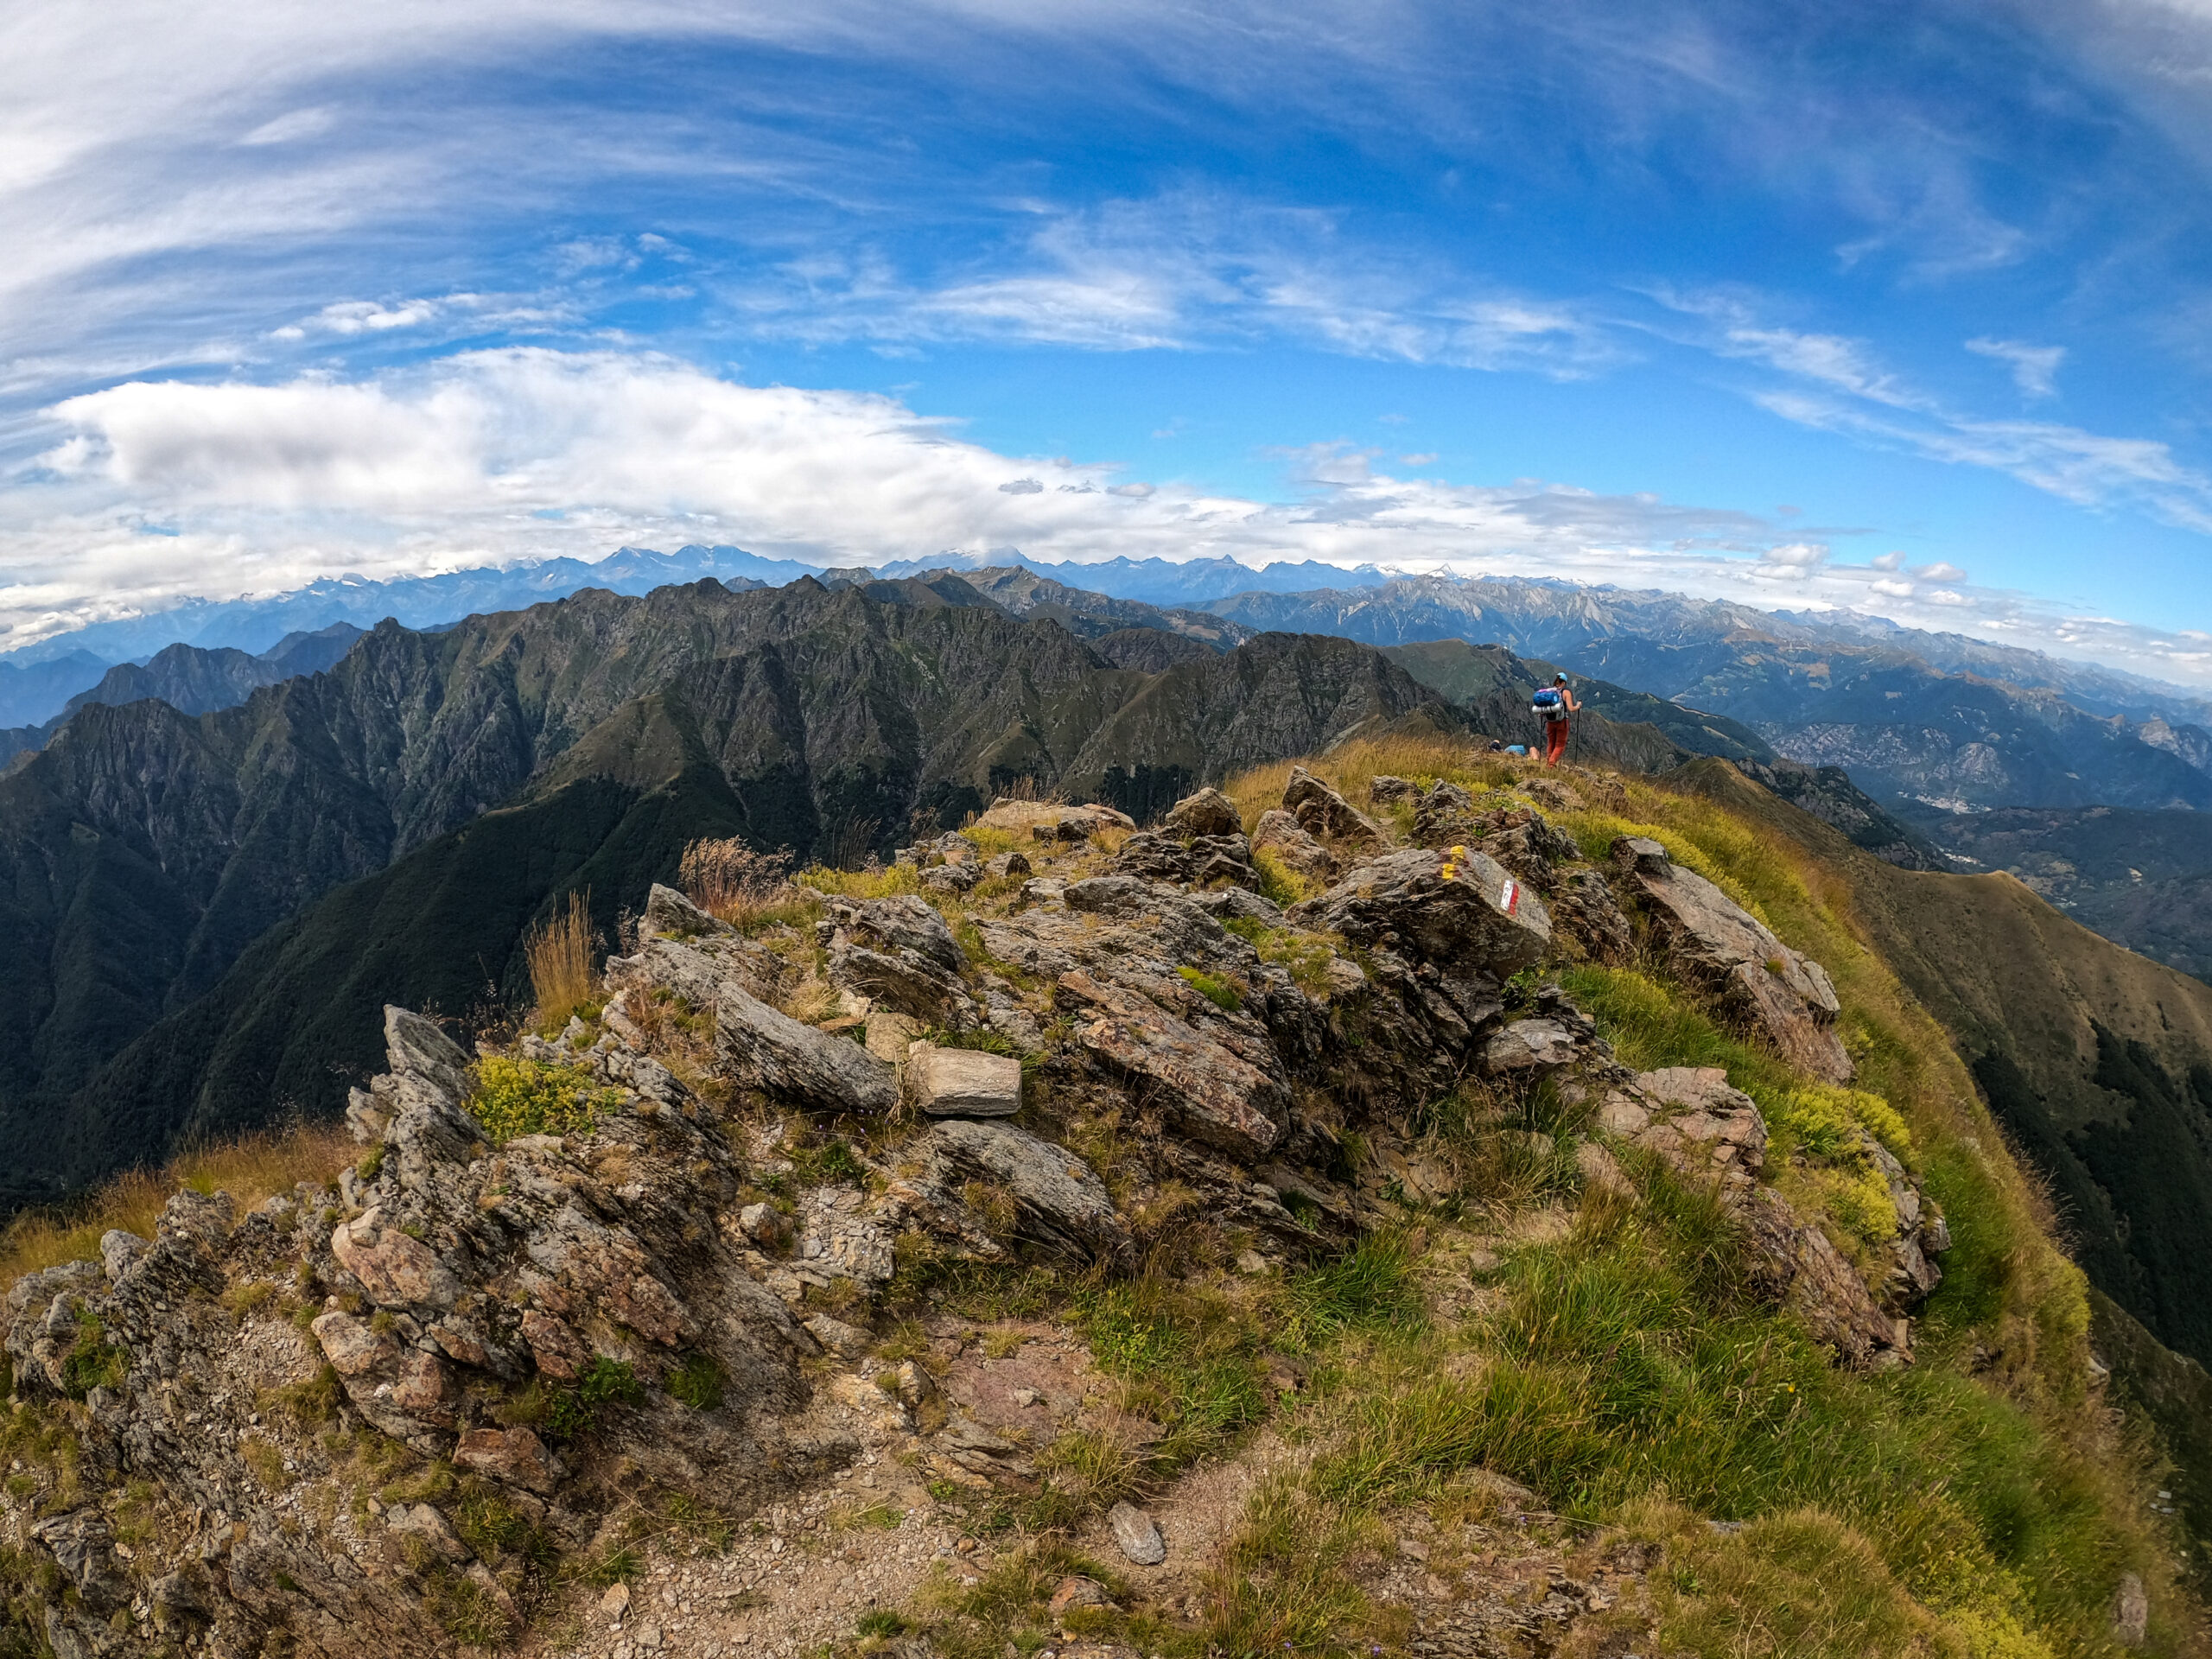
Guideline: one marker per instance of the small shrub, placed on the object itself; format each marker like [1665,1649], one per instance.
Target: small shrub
[559,953]
[93,1362]
[517,1097]
[880,1622]
[1279,884]
[576,1409]
[832,1161]
[249,1296]
[1305,957]
[1219,992]
[267,1463]
[314,1400]
[862,884]
[697,1382]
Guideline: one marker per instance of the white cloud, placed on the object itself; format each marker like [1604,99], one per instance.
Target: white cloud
[292,126]
[497,456]
[1940,571]
[2035,368]
[1887,560]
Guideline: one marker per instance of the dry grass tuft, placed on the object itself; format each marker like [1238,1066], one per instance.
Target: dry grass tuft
[251,1168]
[733,883]
[560,957]
[1029,789]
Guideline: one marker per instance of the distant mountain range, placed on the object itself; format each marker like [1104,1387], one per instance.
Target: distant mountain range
[195,681]
[1936,729]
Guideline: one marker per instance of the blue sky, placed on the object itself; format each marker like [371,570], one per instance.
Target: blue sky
[1902,308]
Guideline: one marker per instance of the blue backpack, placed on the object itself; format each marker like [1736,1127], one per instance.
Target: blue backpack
[1548,704]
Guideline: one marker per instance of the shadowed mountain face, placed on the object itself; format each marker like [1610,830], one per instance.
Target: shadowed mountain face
[144,851]
[2142,879]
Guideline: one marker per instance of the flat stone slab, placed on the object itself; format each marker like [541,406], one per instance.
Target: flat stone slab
[963,1081]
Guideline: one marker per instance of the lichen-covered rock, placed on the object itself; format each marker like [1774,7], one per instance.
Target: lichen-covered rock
[1584,910]
[1711,939]
[1280,833]
[515,1456]
[1690,1116]
[669,914]
[1477,920]
[763,1049]
[898,953]
[1795,1262]
[1059,1202]
[1326,814]
[1209,813]
[1528,1049]
[1207,1091]
[1205,858]
[395,1269]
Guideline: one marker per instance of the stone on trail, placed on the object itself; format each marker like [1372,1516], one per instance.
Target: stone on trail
[963,1081]
[1137,1534]
[514,1456]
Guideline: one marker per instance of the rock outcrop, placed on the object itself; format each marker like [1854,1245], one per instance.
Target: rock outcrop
[660,1291]
[1710,939]
[1711,1133]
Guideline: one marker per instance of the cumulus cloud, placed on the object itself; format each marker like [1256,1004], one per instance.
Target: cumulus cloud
[1940,571]
[1887,560]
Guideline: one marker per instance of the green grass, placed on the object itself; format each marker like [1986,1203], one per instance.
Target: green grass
[1372,1288]
[576,1409]
[1218,991]
[518,1097]
[1629,1365]
[698,1383]
[93,1362]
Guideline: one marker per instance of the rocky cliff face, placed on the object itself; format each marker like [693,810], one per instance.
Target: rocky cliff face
[635,1266]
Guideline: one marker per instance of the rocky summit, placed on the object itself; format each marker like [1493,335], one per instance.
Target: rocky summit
[1415,1208]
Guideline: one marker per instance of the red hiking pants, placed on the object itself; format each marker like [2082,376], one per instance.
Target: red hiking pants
[1555,741]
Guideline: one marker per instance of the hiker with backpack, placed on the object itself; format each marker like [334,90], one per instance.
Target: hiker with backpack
[1552,705]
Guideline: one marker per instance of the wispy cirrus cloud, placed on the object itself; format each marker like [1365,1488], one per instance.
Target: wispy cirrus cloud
[2035,368]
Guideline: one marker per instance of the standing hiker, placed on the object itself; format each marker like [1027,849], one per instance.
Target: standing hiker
[1552,704]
